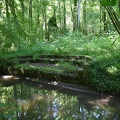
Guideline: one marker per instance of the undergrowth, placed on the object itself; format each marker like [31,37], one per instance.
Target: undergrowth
[105,72]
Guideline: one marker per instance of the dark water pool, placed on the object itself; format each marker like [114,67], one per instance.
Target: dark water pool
[26,100]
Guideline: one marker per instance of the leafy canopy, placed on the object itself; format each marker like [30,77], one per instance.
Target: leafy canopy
[108,2]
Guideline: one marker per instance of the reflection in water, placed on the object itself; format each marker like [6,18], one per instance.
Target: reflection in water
[26,101]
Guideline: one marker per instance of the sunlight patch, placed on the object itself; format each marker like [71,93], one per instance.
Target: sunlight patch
[9,77]
[112,69]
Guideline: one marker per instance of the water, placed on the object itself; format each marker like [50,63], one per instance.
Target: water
[28,100]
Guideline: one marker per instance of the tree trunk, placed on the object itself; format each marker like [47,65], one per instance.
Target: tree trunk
[12,7]
[45,20]
[75,16]
[46,33]
[104,20]
[84,18]
[23,9]
[78,22]
[7,9]
[64,15]
[0,8]
[30,15]
[100,19]
[60,20]
[19,28]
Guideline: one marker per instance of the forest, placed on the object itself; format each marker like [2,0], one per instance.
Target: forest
[65,27]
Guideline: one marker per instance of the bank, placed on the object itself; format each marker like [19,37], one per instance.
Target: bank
[70,69]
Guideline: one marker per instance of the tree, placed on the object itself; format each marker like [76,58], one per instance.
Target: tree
[22,9]
[26,21]
[75,15]
[104,17]
[64,6]
[30,15]
[84,17]
[78,22]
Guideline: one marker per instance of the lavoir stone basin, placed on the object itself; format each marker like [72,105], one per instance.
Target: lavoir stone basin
[65,68]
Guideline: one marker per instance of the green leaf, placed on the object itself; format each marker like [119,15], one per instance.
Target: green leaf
[2,105]
[105,2]
[108,2]
[112,2]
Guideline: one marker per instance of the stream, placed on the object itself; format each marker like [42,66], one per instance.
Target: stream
[22,99]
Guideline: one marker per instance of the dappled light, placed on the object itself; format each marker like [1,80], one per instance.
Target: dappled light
[103,102]
[9,77]
[112,70]
[54,83]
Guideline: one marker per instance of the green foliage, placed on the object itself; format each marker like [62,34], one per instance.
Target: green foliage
[105,73]
[67,66]
[17,32]
[108,2]
[60,67]
[7,110]
[103,79]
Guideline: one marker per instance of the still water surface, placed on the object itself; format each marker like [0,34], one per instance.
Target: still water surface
[27,100]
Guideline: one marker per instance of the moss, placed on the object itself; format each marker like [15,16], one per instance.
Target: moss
[62,67]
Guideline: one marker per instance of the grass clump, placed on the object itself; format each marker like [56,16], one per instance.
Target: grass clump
[58,68]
